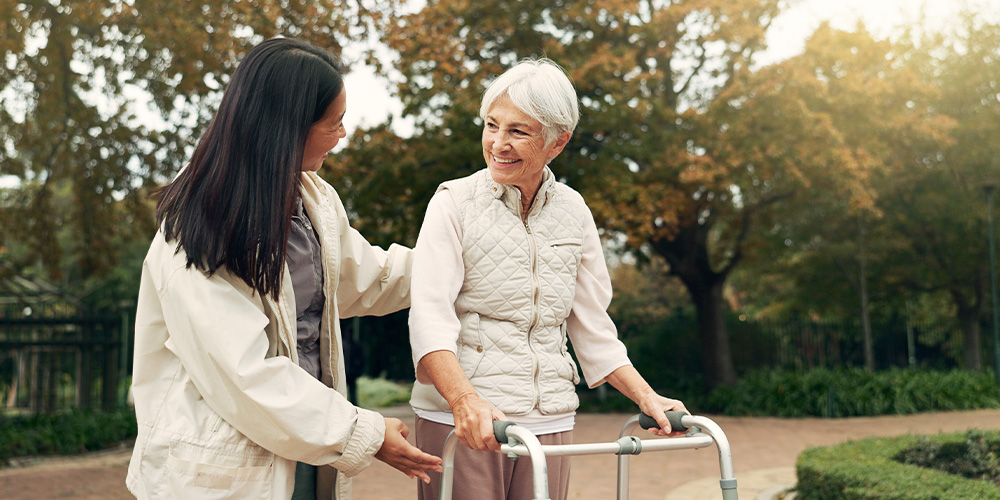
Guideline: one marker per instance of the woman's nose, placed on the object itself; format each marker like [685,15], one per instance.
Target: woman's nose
[501,143]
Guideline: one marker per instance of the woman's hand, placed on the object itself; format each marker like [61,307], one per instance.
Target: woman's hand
[474,418]
[628,381]
[403,456]
[655,406]
[474,415]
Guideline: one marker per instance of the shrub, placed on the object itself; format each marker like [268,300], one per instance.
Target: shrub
[66,433]
[975,458]
[853,392]
[379,392]
[868,469]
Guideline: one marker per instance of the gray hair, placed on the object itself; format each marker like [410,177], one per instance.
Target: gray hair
[541,89]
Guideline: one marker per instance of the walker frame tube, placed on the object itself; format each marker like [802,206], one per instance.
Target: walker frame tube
[522,442]
[708,429]
[530,446]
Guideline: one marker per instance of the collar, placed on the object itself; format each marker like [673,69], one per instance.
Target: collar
[511,196]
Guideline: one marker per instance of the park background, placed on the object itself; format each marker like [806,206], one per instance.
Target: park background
[795,196]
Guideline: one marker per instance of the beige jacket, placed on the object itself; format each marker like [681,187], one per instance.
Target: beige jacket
[223,409]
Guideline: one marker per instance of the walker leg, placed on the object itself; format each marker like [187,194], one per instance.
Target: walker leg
[728,481]
[537,454]
[623,460]
[448,465]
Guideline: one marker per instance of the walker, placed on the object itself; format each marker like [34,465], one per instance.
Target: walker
[517,441]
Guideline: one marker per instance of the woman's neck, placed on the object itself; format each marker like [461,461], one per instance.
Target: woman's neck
[527,198]
[526,205]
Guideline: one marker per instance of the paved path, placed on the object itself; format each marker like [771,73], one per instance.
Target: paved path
[764,453]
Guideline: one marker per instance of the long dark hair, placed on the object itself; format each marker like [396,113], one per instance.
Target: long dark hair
[231,206]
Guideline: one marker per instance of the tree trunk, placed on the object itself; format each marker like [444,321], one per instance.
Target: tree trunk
[866,326]
[968,312]
[716,353]
[968,318]
[687,255]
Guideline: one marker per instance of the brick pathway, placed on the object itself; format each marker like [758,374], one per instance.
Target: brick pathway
[763,450]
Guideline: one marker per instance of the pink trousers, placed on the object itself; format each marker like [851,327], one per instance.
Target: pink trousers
[488,475]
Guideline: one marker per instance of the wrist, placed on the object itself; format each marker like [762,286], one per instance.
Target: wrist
[643,392]
[456,400]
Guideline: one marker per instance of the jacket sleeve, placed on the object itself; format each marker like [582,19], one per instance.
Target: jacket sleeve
[373,281]
[590,328]
[438,273]
[216,330]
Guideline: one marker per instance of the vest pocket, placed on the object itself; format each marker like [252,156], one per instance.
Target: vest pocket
[470,345]
[195,471]
[562,242]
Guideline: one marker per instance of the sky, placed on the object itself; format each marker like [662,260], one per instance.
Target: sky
[785,39]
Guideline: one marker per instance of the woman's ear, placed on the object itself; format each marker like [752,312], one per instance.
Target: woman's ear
[557,145]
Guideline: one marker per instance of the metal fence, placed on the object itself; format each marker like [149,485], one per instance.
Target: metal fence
[806,344]
[668,352]
[82,362]
[53,364]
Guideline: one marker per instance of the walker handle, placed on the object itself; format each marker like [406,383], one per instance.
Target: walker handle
[500,430]
[673,416]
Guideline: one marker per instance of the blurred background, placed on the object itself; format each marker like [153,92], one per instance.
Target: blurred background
[784,187]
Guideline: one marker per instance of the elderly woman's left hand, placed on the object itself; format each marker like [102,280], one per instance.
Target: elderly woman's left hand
[628,381]
[654,405]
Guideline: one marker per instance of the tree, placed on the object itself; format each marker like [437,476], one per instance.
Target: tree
[882,111]
[72,128]
[937,204]
[920,113]
[647,74]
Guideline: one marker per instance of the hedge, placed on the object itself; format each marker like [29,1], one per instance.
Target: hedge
[64,433]
[853,392]
[870,469]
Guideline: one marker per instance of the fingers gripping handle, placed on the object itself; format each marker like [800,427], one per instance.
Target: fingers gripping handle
[674,417]
[500,430]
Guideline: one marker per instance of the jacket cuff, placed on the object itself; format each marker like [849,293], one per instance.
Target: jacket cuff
[601,376]
[366,440]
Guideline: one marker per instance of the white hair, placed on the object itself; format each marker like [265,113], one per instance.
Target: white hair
[541,89]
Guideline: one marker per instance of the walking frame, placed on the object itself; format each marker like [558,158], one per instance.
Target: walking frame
[517,441]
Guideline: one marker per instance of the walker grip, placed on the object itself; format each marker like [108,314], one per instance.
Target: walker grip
[674,417]
[500,430]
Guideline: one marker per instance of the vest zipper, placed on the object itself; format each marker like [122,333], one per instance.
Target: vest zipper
[534,313]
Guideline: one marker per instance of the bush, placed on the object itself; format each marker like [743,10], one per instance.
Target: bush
[975,458]
[853,392]
[379,392]
[868,469]
[66,433]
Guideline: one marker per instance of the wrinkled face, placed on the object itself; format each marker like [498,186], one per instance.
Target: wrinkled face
[514,147]
[325,134]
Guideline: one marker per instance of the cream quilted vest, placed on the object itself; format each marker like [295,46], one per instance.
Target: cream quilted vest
[520,280]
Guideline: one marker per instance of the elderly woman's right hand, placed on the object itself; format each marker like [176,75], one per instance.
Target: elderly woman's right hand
[474,418]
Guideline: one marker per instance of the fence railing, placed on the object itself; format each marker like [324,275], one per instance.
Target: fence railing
[52,364]
[805,344]
[667,352]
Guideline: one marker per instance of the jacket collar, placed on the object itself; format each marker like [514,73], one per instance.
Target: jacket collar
[511,196]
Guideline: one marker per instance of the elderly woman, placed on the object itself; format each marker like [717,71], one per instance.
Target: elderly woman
[508,266]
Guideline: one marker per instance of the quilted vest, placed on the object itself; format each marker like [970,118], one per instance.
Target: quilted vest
[520,279]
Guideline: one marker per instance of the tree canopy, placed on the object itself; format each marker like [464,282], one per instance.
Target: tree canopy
[103,100]
[844,176]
